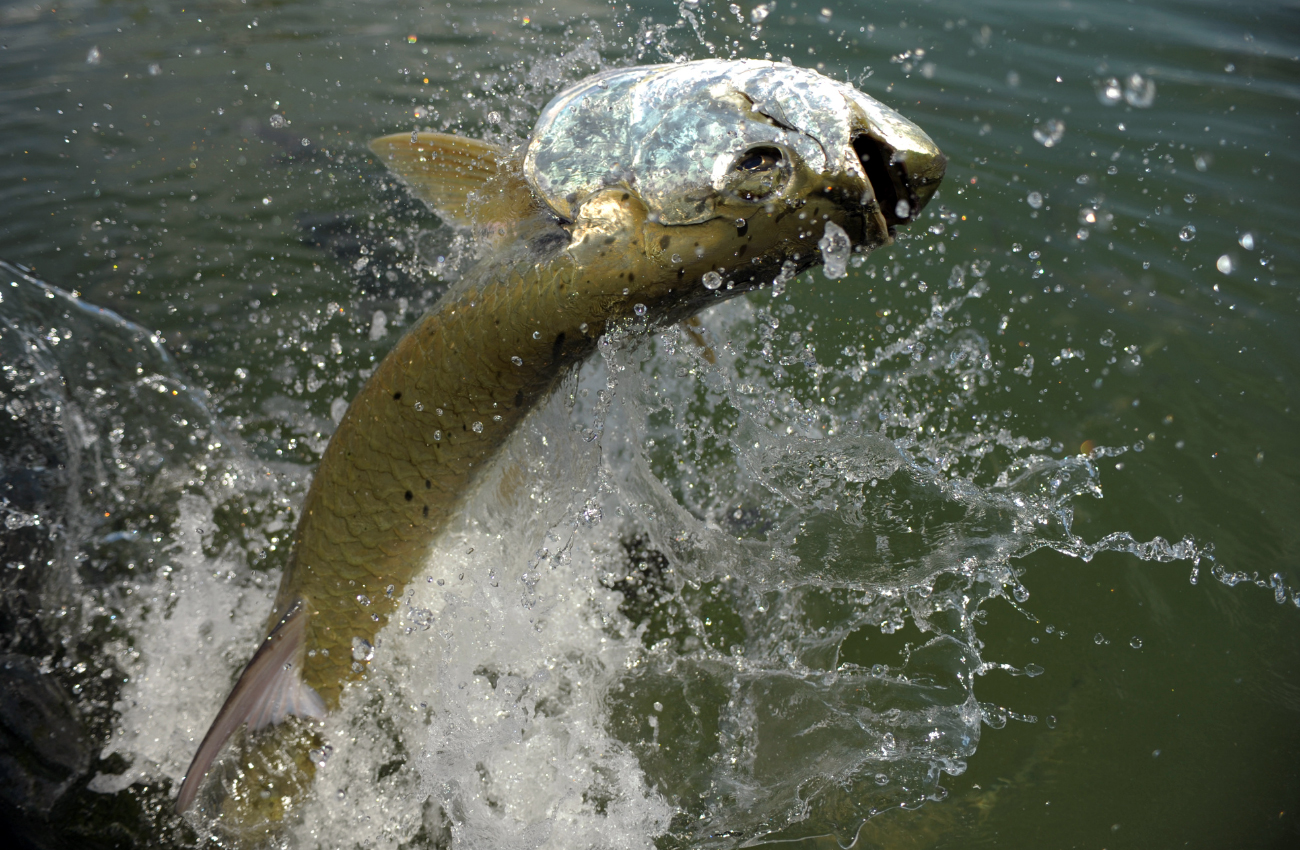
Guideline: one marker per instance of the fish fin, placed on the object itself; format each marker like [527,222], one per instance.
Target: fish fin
[268,691]
[468,183]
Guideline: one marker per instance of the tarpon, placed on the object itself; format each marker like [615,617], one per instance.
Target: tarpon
[645,191]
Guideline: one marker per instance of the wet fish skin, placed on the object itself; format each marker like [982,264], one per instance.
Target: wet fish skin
[439,407]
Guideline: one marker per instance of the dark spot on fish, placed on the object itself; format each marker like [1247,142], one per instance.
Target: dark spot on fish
[519,398]
[664,242]
[557,348]
[426,510]
[397,396]
[626,196]
[742,229]
[609,240]
[428,485]
[630,277]
[409,495]
[681,273]
[743,250]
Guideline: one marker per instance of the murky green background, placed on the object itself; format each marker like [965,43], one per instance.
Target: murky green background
[140,164]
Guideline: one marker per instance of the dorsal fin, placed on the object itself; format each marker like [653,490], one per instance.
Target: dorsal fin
[468,183]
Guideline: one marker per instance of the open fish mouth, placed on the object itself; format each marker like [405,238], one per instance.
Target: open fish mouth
[903,182]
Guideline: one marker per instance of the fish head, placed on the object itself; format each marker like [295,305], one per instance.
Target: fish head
[731,167]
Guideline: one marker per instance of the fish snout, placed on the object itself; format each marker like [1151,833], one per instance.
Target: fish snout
[904,170]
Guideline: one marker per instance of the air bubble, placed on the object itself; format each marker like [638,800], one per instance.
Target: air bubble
[1247,241]
[1035,200]
[362,649]
[1109,91]
[1050,132]
[1188,233]
[902,209]
[1136,642]
[640,309]
[1224,264]
[477,427]
[1139,91]
[517,360]
[712,280]
[278,121]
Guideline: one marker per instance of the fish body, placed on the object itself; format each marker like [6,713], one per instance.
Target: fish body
[648,191]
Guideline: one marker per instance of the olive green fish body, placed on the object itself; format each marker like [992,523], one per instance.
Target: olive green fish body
[643,192]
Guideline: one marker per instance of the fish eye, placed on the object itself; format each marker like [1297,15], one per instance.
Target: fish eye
[758,159]
[758,173]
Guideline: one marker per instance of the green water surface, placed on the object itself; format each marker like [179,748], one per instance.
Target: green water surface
[169,161]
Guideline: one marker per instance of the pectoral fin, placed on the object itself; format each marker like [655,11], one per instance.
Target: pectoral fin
[468,183]
[268,691]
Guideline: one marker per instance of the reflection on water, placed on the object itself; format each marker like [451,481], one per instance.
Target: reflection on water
[773,577]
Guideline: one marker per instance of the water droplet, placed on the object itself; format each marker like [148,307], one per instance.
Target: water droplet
[537,334]
[278,120]
[882,779]
[824,15]
[1050,132]
[760,12]
[1109,91]
[640,309]
[836,247]
[437,436]
[1203,161]
[1035,200]
[1108,338]
[1247,241]
[266,202]
[1081,234]
[902,209]
[1224,264]
[517,360]
[1051,721]
[362,650]
[659,706]
[93,57]
[154,69]
[1139,91]
[1013,79]
[320,755]
[494,117]
[712,280]
[419,406]
[477,427]
[363,599]
[1188,233]
[1136,642]
[1189,198]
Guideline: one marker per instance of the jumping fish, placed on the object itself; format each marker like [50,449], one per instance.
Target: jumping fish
[650,191]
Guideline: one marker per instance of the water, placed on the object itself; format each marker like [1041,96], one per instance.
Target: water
[838,550]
